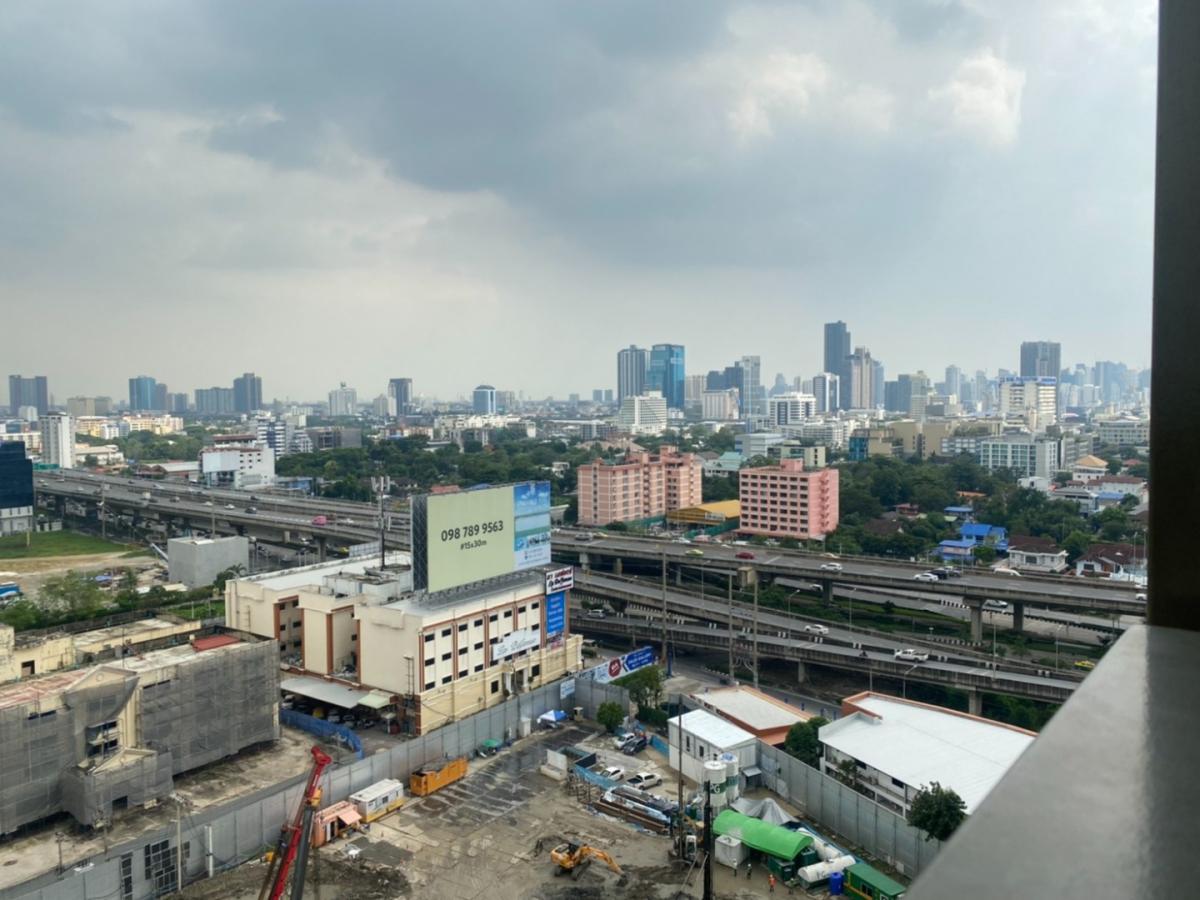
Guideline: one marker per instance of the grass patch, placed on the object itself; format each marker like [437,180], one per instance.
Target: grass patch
[198,610]
[55,543]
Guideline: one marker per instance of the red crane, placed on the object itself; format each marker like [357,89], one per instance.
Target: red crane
[294,836]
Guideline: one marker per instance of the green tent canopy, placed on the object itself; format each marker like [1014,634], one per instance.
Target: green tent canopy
[762,836]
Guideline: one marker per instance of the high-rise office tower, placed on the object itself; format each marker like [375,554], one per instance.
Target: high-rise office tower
[177,403]
[863,374]
[214,401]
[343,401]
[1041,359]
[58,440]
[954,381]
[143,393]
[32,391]
[484,400]
[399,394]
[247,393]
[16,489]
[837,355]
[826,388]
[752,394]
[633,366]
[666,373]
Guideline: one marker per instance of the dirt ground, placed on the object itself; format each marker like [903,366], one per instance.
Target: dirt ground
[32,573]
[490,835]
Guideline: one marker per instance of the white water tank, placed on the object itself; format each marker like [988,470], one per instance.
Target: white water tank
[731,765]
[714,774]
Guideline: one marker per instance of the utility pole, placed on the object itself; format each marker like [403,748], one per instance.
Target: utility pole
[708,842]
[755,630]
[665,650]
[681,835]
[731,672]
[178,843]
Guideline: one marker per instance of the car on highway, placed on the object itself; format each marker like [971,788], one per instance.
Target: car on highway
[583,538]
[995,605]
[694,552]
[320,520]
[616,773]
[208,503]
[645,780]
[813,628]
[908,654]
[1004,571]
[251,509]
[230,506]
[925,576]
[744,554]
[347,521]
[595,614]
[1085,664]
[831,567]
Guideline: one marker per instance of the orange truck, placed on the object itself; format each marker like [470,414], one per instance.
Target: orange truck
[428,779]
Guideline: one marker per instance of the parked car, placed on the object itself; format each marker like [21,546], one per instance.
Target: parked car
[831,567]
[925,576]
[814,628]
[744,554]
[622,739]
[645,780]
[637,745]
[615,773]
[694,552]
[908,654]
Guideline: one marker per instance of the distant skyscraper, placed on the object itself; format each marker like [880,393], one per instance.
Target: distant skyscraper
[693,391]
[877,383]
[1041,359]
[633,365]
[214,401]
[597,395]
[837,355]
[16,489]
[28,392]
[343,401]
[143,392]
[58,440]
[666,373]
[399,393]
[608,395]
[484,400]
[177,403]
[247,393]
[780,386]
[862,389]
[954,381]
[753,397]
[825,389]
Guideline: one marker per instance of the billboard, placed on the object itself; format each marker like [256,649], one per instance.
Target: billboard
[478,534]
[620,665]
[556,614]
[515,642]
[560,579]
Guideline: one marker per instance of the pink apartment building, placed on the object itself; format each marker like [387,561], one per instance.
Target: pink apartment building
[787,501]
[644,486]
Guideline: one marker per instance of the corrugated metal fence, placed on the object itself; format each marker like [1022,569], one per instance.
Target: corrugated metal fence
[322,728]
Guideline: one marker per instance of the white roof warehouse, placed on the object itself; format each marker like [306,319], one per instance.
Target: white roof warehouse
[901,745]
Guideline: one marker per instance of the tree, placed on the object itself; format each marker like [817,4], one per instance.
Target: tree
[937,811]
[610,715]
[985,554]
[234,571]
[802,741]
[645,686]
[847,771]
[72,596]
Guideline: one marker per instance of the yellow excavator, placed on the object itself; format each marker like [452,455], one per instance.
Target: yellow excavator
[575,858]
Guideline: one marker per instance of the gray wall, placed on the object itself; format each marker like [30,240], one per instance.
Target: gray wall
[197,564]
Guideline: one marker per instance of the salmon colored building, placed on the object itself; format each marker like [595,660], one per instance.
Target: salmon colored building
[644,486]
[786,501]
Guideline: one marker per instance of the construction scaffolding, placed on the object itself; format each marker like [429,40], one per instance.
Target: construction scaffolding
[91,741]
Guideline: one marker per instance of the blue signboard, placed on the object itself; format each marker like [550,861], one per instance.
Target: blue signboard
[637,659]
[556,614]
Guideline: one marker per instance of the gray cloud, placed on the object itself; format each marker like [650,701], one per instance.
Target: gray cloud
[948,177]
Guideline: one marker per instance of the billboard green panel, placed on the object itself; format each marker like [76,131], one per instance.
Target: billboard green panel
[479,534]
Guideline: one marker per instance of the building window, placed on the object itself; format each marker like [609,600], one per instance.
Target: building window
[445,632]
[495,687]
[508,614]
[478,668]
[447,679]
[445,656]
[462,651]
[429,637]
[462,627]
[478,623]
[430,685]
[462,674]
[479,645]
[535,671]
[521,610]
[431,661]
[493,617]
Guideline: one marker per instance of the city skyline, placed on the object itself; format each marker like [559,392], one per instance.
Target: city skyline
[949,182]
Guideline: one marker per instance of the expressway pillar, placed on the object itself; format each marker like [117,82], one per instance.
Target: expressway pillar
[974,703]
[976,609]
[321,548]
[679,576]
[583,562]
[801,673]
[618,565]
[827,592]
[1018,617]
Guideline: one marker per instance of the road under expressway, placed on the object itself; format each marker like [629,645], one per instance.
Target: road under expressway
[644,604]
[974,679]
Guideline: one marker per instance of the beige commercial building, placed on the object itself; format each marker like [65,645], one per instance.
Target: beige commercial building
[354,634]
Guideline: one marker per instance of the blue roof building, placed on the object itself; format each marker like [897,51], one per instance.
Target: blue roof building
[983,534]
[956,551]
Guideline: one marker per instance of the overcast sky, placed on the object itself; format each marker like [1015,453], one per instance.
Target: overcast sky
[509,192]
